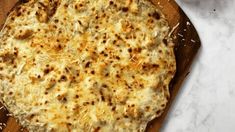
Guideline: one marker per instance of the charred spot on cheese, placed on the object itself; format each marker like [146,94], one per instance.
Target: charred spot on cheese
[63,78]
[93,72]
[83,65]
[111,2]
[87,65]
[47,70]
[53,5]
[81,6]
[24,1]
[8,57]
[62,98]
[23,34]
[125,9]
[41,13]
[46,10]
[156,15]
[165,41]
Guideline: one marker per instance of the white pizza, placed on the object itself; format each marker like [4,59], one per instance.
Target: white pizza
[86,65]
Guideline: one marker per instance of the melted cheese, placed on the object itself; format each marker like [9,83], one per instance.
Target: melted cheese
[85,65]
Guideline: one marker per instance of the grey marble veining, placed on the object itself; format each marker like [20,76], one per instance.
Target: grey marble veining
[206,102]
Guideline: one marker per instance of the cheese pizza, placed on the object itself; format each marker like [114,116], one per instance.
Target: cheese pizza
[86,65]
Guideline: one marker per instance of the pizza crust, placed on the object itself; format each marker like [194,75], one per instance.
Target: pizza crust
[86,65]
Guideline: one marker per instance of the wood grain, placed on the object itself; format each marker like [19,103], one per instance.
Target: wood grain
[5,7]
[185,51]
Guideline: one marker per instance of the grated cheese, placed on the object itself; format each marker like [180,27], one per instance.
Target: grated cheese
[86,65]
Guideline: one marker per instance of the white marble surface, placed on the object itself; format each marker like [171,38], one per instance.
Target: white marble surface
[206,102]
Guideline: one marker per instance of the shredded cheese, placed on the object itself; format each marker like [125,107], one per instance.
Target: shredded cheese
[85,65]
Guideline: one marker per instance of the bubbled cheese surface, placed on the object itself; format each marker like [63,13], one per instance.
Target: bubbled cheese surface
[86,65]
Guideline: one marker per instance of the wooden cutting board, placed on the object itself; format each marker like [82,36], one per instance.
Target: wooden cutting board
[185,51]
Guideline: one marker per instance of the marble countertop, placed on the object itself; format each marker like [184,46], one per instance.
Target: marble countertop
[206,102]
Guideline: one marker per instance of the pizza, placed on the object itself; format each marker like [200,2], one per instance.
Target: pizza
[86,65]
